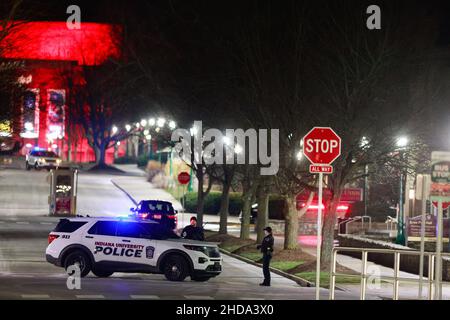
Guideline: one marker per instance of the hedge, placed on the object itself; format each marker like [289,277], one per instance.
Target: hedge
[212,204]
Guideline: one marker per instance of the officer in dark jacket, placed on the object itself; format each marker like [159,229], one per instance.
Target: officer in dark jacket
[267,251]
[192,231]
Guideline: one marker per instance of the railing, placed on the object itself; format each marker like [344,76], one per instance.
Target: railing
[396,279]
[390,222]
[355,219]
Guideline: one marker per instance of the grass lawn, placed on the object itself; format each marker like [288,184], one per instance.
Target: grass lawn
[255,256]
[325,278]
[285,265]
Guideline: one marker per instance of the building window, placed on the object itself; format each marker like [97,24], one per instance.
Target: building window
[55,118]
[30,115]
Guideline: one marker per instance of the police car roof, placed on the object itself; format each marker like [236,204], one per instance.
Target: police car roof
[109,219]
[157,201]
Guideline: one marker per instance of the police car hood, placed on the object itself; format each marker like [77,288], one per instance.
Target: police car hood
[194,242]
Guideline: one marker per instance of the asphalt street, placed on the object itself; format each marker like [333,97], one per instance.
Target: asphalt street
[24,273]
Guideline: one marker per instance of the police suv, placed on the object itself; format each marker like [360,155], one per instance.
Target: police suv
[39,158]
[108,245]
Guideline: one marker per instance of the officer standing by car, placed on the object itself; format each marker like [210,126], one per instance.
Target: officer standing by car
[267,250]
[192,231]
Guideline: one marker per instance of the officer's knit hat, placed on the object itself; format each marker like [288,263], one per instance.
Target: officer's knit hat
[268,229]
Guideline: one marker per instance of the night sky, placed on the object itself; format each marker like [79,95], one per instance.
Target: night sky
[437,11]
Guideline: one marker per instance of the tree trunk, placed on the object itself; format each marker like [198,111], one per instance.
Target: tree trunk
[245,223]
[224,204]
[291,224]
[263,212]
[329,222]
[200,198]
[100,154]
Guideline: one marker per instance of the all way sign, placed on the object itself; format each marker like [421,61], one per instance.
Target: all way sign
[320,169]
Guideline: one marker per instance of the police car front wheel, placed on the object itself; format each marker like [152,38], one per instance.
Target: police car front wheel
[176,268]
[101,273]
[81,260]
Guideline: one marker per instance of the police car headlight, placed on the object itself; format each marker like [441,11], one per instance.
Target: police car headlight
[42,160]
[208,251]
[58,161]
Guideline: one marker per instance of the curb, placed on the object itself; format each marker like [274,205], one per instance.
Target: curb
[302,282]
[124,191]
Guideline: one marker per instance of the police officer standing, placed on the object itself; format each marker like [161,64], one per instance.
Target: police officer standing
[267,250]
[192,231]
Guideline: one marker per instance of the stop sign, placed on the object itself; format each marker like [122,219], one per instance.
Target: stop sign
[321,145]
[184,177]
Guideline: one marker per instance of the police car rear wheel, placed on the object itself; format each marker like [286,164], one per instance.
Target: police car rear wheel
[102,273]
[79,259]
[175,268]
[27,165]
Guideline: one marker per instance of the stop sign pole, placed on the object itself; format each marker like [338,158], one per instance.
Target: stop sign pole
[321,145]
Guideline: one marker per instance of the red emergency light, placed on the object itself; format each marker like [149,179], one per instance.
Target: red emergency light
[342,207]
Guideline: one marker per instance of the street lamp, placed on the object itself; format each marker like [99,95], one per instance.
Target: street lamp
[114,130]
[172,125]
[238,149]
[227,141]
[143,122]
[151,122]
[161,122]
[127,127]
[194,131]
[299,155]
[402,142]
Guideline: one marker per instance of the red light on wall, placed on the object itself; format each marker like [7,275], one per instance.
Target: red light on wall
[92,44]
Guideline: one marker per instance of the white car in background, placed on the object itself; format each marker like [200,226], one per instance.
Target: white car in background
[39,159]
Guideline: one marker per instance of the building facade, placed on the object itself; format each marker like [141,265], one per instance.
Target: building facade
[53,56]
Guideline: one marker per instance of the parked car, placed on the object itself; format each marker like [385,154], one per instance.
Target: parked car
[39,159]
[158,211]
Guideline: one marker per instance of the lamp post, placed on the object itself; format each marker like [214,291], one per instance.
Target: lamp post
[402,142]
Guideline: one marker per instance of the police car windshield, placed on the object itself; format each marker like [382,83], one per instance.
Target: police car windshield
[49,154]
[156,207]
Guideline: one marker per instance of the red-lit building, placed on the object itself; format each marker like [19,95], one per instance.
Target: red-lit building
[49,50]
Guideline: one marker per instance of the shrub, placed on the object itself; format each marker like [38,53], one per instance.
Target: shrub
[212,202]
[125,160]
[142,161]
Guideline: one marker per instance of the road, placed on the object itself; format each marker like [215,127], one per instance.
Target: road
[24,273]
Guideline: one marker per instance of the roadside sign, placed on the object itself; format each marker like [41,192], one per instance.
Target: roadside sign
[184,177]
[321,145]
[439,193]
[327,169]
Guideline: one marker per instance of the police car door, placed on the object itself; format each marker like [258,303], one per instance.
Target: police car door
[135,247]
[101,240]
